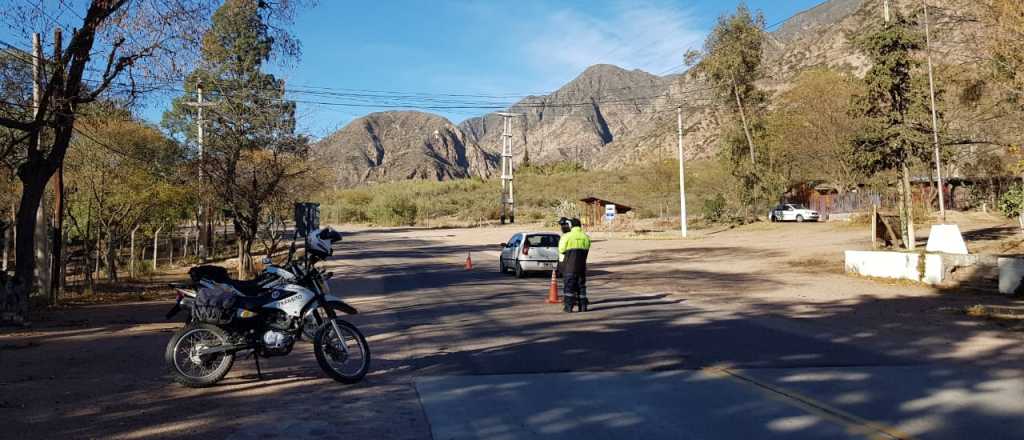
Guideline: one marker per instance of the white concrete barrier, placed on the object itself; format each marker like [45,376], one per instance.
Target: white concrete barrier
[896,265]
[946,239]
[1011,271]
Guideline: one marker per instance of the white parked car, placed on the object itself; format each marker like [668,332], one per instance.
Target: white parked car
[529,252]
[792,212]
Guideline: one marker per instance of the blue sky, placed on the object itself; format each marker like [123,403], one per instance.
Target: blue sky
[506,48]
[492,47]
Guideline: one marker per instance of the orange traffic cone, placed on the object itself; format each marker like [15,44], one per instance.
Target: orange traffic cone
[553,290]
[469,261]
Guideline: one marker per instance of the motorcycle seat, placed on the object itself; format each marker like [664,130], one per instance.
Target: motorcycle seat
[247,288]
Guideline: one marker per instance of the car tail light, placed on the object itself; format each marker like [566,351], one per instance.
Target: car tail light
[526,248]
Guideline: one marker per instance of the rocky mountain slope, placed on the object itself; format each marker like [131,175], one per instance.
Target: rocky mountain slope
[609,116]
[404,145]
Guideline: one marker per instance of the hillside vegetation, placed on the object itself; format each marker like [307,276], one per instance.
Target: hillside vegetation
[652,189]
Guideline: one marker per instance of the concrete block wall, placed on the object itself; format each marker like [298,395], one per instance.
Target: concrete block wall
[896,265]
[977,271]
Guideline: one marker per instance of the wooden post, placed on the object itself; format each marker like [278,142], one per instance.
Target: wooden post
[131,254]
[57,248]
[42,234]
[198,238]
[170,245]
[874,227]
[156,246]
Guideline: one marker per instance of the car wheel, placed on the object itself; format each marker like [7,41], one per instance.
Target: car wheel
[501,266]
[799,219]
[772,218]
[519,270]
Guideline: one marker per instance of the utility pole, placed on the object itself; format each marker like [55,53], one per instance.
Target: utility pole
[57,266]
[41,234]
[205,227]
[682,174]
[508,201]
[886,10]
[935,115]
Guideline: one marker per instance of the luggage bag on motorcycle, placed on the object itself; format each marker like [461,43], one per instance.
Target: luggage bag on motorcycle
[215,305]
[210,273]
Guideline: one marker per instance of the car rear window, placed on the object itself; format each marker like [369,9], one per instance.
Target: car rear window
[543,240]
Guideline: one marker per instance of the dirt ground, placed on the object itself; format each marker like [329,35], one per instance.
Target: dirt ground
[96,371]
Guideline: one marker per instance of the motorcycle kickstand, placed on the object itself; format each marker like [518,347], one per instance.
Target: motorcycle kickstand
[256,358]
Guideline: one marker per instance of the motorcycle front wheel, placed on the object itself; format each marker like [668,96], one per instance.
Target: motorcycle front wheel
[192,369]
[346,356]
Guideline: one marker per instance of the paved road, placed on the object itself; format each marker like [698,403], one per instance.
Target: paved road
[684,341]
[490,360]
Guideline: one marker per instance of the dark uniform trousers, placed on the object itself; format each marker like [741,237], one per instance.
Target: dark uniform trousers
[576,285]
[574,269]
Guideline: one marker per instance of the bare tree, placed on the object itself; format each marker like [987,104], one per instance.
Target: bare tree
[144,44]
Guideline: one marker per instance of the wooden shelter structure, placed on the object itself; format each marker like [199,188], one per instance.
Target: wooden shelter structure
[592,209]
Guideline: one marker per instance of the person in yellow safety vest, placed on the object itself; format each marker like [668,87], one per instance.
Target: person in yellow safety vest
[573,248]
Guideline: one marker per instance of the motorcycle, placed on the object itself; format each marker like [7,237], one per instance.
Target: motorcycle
[265,316]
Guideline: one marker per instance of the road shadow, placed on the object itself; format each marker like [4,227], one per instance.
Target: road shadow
[990,234]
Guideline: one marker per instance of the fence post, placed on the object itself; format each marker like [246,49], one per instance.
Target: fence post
[874,227]
[156,246]
[131,254]
[170,243]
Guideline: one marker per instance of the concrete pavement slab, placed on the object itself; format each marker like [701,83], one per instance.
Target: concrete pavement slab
[593,406]
[944,401]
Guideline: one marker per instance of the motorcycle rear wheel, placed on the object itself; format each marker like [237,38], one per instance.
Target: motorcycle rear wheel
[333,359]
[198,371]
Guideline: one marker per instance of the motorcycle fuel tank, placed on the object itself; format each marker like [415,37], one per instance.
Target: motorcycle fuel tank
[290,299]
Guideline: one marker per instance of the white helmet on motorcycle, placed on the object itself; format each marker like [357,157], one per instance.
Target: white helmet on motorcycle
[319,244]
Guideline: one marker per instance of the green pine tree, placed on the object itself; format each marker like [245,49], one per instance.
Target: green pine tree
[251,152]
[895,105]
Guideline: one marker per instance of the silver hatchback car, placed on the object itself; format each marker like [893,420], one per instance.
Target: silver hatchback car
[529,252]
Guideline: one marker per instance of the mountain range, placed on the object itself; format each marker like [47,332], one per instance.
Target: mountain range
[608,116]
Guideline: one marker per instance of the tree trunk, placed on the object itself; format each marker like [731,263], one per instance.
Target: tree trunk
[99,245]
[14,301]
[908,200]
[111,258]
[1020,217]
[9,237]
[746,128]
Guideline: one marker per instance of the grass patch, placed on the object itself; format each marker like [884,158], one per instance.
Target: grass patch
[995,312]
[817,265]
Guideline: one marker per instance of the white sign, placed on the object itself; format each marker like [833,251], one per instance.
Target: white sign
[609,212]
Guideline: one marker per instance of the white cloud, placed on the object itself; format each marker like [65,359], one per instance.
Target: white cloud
[634,35]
